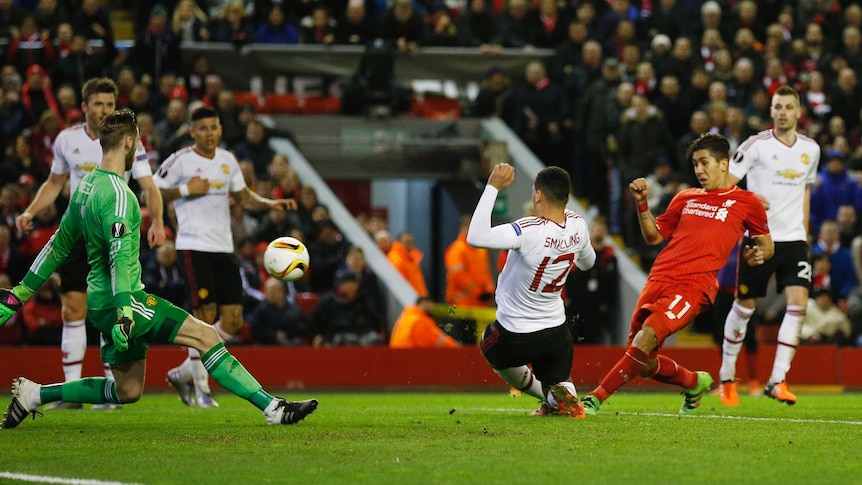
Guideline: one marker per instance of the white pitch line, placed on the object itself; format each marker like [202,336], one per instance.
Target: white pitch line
[22,477]
[701,416]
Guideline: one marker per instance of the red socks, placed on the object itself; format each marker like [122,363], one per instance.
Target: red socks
[628,367]
[669,372]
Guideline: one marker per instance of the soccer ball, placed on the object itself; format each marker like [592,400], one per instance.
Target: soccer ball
[286,259]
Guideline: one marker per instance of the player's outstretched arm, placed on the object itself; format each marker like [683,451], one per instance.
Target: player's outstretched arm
[480,233]
[252,201]
[640,192]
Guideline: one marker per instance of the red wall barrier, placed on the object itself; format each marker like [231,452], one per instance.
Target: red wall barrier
[353,367]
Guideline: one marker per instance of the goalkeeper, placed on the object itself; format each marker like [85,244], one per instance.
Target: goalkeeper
[105,211]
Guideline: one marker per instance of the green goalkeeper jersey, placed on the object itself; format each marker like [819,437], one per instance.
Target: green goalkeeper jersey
[106,213]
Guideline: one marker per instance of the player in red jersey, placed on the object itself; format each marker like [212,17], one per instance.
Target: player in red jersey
[701,227]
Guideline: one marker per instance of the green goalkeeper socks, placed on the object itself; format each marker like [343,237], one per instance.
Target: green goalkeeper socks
[95,390]
[230,374]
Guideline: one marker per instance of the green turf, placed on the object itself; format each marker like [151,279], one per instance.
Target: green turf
[443,438]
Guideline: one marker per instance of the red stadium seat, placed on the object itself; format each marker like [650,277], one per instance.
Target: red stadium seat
[306,301]
[321,105]
[244,97]
[441,108]
[280,103]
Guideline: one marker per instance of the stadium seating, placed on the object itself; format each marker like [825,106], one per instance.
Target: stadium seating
[321,105]
[244,97]
[306,301]
[440,108]
[280,104]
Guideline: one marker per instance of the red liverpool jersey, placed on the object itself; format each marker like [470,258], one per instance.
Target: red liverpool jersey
[702,227]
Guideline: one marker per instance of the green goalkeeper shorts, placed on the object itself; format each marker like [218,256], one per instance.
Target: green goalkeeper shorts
[156,320]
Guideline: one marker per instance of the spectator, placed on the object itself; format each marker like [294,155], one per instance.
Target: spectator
[41,142]
[370,288]
[403,27]
[233,26]
[189,22]
[845,98]
[417,329]
[11,16]
[173,125]
[278,223]
[326,253]
[843,273]
[517,26]
[552,25]
[255,147]
[318,28]
[277,30]
[824,321]
[671,104]
[228,113]
[31,47]
[847,221]
[355,27]
[157,50]
[14,116]
[441,30]
[494,98]
[93,21]
[593,294]
[82,63]
[741,86]
[37,94]
[383,240]
[341,317]
[477,26]
[698,124]
[277,320]
[570,53]
[468,272]
[404,255]
[162,275]
[540,107]
[49,14]
[834,187]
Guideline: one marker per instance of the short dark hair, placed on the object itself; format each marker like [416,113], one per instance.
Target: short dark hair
[786,90]
[717,145]
[98,85]
[115,127]
[203,112]
[554,182]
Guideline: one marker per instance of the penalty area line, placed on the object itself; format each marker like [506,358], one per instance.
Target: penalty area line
[23,477]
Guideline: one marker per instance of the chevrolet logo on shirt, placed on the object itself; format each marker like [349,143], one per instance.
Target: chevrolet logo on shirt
[216,184]
[87,167]
[789,174]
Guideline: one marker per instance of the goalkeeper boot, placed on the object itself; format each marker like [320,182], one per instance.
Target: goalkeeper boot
[22,403]
[182,386]
[281,411]
[567,403]
[205,400]
[106,406]
[591,404]
[693,395]
[780,392]
[729,395]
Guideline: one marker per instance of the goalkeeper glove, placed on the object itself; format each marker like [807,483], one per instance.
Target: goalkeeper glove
[122,331]
[11,301]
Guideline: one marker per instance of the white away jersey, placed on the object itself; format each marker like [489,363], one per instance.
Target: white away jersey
[204,220]
[528,288]
[780,174]
[77,154]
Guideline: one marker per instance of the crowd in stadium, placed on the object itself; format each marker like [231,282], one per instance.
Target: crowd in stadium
[631,85]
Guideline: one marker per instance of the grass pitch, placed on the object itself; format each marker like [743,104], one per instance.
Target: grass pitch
[441,438]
